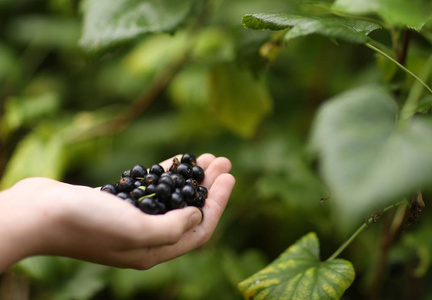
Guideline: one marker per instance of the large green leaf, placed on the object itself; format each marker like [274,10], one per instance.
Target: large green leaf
[367,160]
[238,100]
[40,153]
[298,273]
[346,29]
[412,13]
[108,23]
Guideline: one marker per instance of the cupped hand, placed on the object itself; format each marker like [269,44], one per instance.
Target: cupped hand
[41,216]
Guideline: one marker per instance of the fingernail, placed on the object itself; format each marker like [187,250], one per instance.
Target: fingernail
[196,219]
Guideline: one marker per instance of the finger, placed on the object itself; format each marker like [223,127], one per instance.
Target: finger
[167,229]
[195,236]
[218,166]
[205,160]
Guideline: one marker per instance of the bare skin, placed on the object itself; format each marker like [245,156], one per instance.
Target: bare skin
[40,216]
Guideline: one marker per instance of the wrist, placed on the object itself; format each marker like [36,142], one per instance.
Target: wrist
[23,224]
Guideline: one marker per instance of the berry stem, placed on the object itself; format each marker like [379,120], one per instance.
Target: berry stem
[399,65]
[146,196]
[365,225]
[411,104]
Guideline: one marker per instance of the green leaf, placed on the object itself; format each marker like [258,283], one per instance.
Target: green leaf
[26,110]
[298,273]
[110,23]
[346,29]
[239,101]
[395,12]
[40,153]
[189,88]
[156,52]
[366,159]
[50,32]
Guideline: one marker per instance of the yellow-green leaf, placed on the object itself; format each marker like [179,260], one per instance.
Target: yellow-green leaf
[40,153]
[299,274]
[240,101]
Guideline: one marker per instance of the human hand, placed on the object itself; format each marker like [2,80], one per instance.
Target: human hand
[84,223]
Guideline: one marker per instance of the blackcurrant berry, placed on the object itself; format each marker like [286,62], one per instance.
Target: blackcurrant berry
[110,188]
[167,180]
[149,206]
[177,201]
[203,191]
[192,182]
[126,173]
[125,184]
[189,158]
[184,170]
[138,171]
[150,179]
[150,189]
[137,183]
[163,191]
[161,207]
[129,200]
[157,169]
[189,193]
[179,180]
[123,195]
[198,173]
[199,201]
[137,193]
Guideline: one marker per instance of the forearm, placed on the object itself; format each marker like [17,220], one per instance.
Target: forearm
[21,228]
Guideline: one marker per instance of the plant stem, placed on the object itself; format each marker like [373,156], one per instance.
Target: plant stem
[411,103]
[399,65]
[362,227]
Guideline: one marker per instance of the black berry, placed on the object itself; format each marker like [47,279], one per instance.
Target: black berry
[198,173]
[163,191]
[168,181]
[192,182]
[184,170]
[177,201]
[138,171]
[126,184]
[199,201]
[123,195]
[203,191]
[110,188]
[188,158]
[149,206]
[157,169]
[189,193]
[156,191]
[137,193]
[150,179]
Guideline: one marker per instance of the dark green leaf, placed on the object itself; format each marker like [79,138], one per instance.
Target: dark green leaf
[50,32]
[395,12]
[298,273]
[113,22]
[346,29]
[366,159]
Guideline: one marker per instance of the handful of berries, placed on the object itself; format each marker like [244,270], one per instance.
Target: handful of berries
[156,191]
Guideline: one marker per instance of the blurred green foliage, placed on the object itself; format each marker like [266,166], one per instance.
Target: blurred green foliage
[89,88]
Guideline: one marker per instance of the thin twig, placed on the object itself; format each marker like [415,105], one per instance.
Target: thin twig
[362,227]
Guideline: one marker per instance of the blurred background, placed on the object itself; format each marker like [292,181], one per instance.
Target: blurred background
[216,88]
